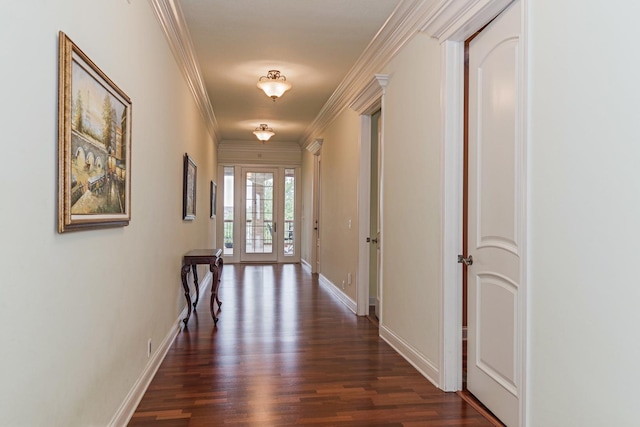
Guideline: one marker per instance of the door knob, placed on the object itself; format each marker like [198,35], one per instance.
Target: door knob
[466,261]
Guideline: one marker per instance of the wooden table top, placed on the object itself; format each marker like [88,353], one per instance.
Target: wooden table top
[202,253]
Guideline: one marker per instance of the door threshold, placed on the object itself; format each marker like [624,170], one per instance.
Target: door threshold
[259,262]
[478,406]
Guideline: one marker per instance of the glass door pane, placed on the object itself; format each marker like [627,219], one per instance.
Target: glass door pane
[228,209]
[289,211]
[260,228]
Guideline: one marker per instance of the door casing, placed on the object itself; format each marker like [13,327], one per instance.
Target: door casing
[462,20]
[317,202]
[238,214]
[370,100]
[275,215]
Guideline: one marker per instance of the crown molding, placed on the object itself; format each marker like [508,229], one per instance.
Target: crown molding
[441,19]
[406,20]
[175,29]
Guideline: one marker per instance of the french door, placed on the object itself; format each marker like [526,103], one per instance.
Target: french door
[259,215]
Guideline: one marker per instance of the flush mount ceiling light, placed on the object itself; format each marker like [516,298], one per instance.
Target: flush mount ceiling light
[263,133]
[274,84]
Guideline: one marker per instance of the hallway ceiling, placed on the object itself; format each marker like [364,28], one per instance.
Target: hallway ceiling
[314,43]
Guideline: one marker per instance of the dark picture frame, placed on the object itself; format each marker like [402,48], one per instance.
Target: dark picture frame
[94,144]
[189,188]
[213,189]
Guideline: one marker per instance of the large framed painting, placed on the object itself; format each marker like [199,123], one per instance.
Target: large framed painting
[189,189]
[94,144]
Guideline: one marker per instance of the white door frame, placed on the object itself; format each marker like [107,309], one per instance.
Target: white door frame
[370,100]
[317,164]
[238,189]
[277,205]
[295,257]
[452,24]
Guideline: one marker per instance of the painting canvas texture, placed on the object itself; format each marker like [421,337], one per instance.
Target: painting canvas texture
[98,163]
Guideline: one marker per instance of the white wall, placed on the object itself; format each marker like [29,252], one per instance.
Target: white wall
[412,199]
[281,153]
[411,207]
[585,206]
[339,243]
[77,308]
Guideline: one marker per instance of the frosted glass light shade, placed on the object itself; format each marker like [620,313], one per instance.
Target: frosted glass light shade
[274,84]
[263,132]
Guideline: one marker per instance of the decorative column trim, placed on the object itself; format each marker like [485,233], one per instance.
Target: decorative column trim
[315,146]
[368,102]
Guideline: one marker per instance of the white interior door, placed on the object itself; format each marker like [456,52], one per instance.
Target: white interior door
[259,215]
[317,209]
[495,226]
[374,256]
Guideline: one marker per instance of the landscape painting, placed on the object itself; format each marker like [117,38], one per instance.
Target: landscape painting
[189,188]
[94,145]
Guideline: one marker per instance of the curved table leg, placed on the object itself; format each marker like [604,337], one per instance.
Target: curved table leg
[215,271]
[183,273]
[195,282]
[213,315]
[220,265]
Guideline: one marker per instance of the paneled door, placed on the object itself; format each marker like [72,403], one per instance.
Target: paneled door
[495,216]
[259,215]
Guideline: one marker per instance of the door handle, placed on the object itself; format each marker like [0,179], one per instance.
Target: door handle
[370,240]
[466,261]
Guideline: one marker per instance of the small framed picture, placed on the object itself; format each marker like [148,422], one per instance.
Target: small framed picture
[189,189]
[212,193]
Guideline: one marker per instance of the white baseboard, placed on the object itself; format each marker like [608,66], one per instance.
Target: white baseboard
[427,368]
[128,407]
[333,289]
[306,265]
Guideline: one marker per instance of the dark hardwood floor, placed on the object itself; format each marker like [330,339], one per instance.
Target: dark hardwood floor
[285,352]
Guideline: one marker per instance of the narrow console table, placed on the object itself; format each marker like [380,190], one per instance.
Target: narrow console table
[191,259]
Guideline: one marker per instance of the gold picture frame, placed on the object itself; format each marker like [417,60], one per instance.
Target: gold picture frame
[189,181]
[94,144]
